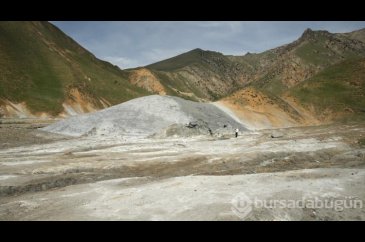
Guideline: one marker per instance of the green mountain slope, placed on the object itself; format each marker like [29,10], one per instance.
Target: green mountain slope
[311,53]
[180,61]
[211,75]
[43,67]
[199,75]
[310,80]
[335,92]
[303,82]
[318,77]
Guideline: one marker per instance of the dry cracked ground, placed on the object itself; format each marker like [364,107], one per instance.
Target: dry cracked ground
[51,177]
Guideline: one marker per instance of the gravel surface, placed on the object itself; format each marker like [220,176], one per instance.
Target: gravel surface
[145,116]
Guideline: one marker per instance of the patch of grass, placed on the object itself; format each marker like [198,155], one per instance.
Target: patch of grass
[339,88]
[179,82]
[315,53]
[270,84]
[275,86]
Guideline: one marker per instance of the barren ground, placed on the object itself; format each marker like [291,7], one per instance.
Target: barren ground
[52,177]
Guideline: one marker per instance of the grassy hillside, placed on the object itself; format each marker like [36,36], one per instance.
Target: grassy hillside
[210,75]
[39,65]
[324,72]
[180,61]
[313,52]
[339,89]
[199,75]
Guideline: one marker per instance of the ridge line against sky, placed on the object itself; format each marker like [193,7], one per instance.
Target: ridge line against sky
[131,44]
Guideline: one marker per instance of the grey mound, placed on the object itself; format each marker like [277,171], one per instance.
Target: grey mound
[150,116]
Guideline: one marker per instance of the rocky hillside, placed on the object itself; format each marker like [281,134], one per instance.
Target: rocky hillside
[302,59]
[269,89]
[212,75]
[45,72]
[317,78]
[337,92]
[199,75]
[358,35]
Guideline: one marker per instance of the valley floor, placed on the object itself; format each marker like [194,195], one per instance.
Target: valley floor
[51,177]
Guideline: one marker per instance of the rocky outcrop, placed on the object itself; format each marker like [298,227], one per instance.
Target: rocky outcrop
[145,79]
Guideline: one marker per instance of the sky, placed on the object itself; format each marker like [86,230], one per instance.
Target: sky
[138,43]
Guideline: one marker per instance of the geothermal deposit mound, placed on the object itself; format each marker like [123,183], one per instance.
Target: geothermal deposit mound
[157,116]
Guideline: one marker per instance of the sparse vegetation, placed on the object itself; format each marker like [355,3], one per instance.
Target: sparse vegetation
[339,88]
[38,64]
[316,53]
[178,62]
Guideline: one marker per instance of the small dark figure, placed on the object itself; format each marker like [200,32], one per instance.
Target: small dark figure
[225,126]
[237,132]
[191,125]
[210,132]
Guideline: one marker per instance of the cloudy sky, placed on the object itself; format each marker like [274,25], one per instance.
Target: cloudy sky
[132,44]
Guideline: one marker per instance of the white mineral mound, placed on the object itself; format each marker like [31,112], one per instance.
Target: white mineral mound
[145,116]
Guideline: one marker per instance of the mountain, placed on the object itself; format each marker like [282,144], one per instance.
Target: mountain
[212,75]
[311,53]
[316,79]
[337,93]
[267,87]
[199,75]
[45,72]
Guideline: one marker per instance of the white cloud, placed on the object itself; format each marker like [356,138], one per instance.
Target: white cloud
[144,58]
[123,62]
[132,44]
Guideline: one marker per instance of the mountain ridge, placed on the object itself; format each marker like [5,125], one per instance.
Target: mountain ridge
[47,73]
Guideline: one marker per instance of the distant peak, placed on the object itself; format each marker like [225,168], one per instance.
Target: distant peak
[197,50]
[307,33]
[311,34]
[308,30]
